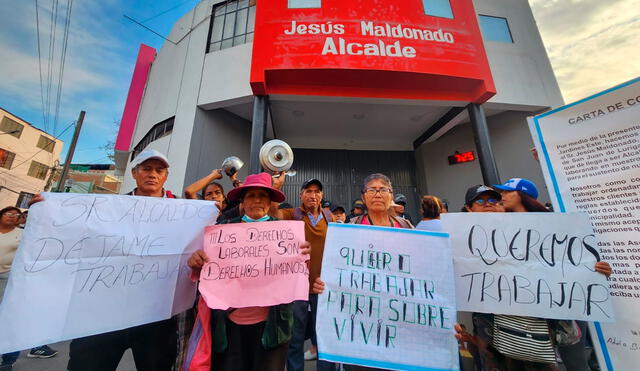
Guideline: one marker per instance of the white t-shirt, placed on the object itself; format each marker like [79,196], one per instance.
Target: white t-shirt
[8,245]
[430,225]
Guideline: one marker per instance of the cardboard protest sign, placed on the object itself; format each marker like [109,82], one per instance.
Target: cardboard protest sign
[254,265]
[89,264]
[590,156]
[389,300]
[528,264]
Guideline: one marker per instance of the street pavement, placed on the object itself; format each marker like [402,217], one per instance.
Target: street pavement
[59,362]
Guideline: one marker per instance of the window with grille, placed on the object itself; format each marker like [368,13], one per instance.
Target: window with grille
[232,24]
[11,127]
[38,170]
[6,158]
[46,143]
[158,131]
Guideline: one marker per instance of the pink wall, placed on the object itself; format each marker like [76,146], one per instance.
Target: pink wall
[146,55]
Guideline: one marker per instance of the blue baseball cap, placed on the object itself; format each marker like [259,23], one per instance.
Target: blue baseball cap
[519,184]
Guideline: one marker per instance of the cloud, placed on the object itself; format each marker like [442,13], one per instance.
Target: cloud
[97,71]
[99,63]
[592,44]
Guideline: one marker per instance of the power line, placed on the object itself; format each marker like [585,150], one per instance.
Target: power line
[63,56]
[166,11]
[147,28]
[40,62]
[16,182]
[96,160]
[52,41]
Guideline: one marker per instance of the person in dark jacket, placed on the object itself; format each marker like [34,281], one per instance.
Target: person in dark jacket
[245,339]
[154,345]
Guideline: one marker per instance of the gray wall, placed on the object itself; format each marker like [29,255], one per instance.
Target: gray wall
[217,134]
[172,90]
[511,142]
[521,70]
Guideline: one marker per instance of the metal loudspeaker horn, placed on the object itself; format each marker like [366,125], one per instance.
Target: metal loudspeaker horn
[277,156]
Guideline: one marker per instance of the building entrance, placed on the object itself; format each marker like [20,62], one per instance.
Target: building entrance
[342,172]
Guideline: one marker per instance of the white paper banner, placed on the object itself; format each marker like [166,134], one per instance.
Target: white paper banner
[528,264]
[590,157]
[389,300]
[89,264]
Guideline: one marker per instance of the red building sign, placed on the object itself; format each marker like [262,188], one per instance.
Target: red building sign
[374,48]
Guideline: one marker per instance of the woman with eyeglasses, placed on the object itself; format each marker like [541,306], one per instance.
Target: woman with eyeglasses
[484,199]
[377,195]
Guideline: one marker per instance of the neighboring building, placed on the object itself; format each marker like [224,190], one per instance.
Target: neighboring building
[93,178]
[353,87]
[27,156]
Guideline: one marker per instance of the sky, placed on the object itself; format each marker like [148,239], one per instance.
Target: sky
[592,44]
[101,53]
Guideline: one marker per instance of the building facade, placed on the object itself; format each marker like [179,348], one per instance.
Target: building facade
[93,178]
[354,87]
[27,157]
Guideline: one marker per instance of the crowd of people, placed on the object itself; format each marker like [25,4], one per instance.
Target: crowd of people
[272,338]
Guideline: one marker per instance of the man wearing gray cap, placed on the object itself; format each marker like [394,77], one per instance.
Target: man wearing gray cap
[154,345]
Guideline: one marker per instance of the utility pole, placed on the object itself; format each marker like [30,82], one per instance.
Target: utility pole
[72,148]
[54,170]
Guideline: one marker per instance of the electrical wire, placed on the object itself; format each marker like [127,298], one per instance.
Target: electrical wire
[42,149]
[16,182]
[96,160]
[166,11]
[40,61]
[63,56]
[52,42]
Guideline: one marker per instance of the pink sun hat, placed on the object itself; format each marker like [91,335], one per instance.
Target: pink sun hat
[262,180]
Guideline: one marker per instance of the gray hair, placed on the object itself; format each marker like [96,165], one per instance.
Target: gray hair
[376,176]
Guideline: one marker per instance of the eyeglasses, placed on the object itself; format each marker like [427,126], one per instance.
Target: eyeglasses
[373,191]
[491,201]
[12,214]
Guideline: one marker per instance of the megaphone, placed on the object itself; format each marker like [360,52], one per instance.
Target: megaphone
[276,156]
[231,165]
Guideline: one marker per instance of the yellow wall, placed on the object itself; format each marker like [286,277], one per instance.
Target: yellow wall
[26,150]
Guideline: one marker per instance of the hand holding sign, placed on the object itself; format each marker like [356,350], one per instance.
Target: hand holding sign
[531,264]
[117,258]
[389,298]
[254,264]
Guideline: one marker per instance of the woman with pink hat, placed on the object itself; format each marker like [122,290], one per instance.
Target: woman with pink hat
[245,339]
